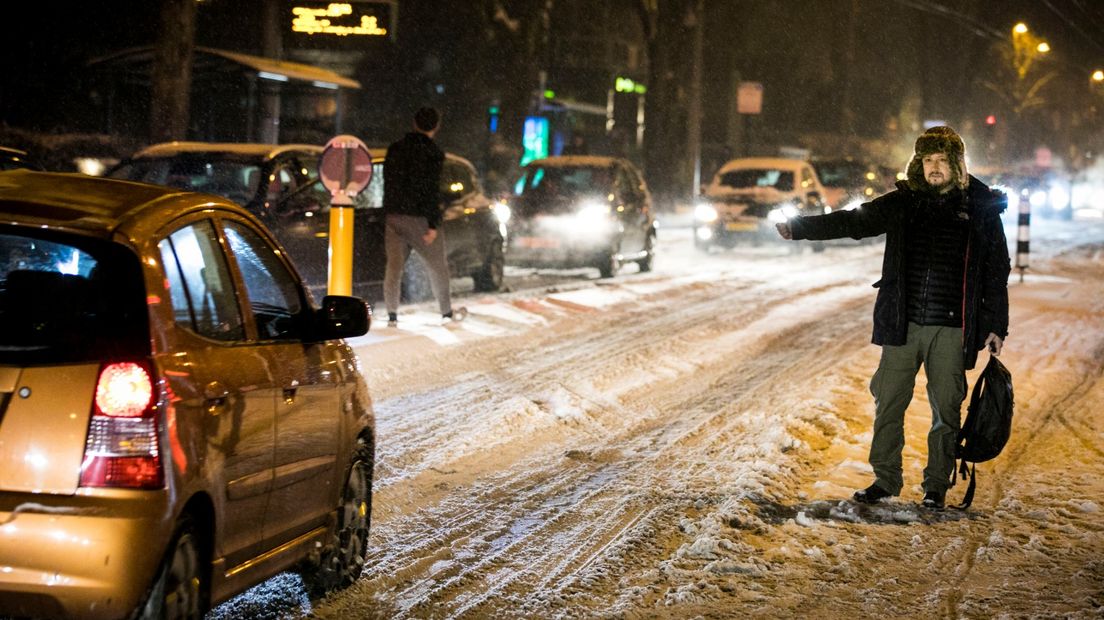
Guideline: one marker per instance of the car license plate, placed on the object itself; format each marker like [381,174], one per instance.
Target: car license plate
[536,242]
[740,226]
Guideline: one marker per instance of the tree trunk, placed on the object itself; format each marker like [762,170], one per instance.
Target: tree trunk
[171,76]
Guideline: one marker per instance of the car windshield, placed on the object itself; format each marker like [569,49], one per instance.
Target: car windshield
[564,180]
[841,174]
[66,299]
[747,178]
[210,173]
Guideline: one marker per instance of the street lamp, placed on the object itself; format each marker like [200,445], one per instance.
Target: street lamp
[1019,28]
[1098,76]
[1043,47]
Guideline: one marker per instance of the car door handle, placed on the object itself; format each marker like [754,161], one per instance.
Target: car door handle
[215,396]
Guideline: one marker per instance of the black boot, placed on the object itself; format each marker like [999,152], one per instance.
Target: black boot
[871,494]
[933,500]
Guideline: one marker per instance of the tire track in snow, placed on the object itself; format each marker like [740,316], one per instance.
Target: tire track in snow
[692,317]
[537,573]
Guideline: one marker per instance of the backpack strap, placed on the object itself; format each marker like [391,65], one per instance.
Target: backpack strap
[969,497]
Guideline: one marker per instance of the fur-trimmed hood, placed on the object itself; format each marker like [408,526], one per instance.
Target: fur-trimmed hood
[941,139]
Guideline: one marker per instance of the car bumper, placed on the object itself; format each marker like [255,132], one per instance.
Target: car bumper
[558,251]
[733,232]
[91,557]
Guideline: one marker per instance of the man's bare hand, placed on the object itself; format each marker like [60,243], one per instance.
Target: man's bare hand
[784,230]
[429,236]
[994,343]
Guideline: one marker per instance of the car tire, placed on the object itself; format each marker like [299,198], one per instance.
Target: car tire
[182,587]
[342,558]
[488,278]
[647,262]
[819,246]
[610,263]
[415,282]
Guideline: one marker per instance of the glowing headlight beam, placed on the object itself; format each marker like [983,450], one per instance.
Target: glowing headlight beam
[705,213]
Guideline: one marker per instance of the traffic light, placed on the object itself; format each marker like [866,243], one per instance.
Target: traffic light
[492,118]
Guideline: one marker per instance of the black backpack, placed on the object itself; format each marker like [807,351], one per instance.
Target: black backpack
[988,423]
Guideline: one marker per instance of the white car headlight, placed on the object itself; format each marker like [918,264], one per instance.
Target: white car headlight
[1038,199]
[705,213]
[781,214]
[593,213]
[1059,198]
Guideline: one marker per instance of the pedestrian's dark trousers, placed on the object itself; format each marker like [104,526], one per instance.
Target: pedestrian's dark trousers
[402,234]
[939,350]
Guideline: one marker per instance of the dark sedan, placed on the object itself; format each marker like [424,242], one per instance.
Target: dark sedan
[280,184]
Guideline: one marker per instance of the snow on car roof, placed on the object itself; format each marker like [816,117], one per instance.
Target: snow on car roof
[237,148]
[762,162]
[576,160]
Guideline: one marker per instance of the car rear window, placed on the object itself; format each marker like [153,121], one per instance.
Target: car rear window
[68,299]
[228,177]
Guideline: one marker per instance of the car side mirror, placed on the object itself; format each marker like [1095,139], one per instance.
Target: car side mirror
[341,317]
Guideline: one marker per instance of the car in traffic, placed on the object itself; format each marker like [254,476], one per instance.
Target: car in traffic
[16,159]
[850,182]
[748,196]
[178,420]
[573,211]
[281,185]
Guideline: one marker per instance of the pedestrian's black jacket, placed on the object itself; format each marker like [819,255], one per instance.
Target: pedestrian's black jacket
[985,285]
[412,176]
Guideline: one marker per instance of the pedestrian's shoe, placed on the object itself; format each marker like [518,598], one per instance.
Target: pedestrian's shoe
[454,316]
[871,494]
[933,500]
[392,320]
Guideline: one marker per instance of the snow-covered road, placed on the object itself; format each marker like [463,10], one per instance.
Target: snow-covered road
[676,444]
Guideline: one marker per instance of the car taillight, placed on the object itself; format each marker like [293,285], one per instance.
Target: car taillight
[122,450]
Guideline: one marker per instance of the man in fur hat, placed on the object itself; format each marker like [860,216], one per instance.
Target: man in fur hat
[943,296]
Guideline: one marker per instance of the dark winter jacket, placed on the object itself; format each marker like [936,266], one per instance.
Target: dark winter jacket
[412,176]
[936,240]
[985,283]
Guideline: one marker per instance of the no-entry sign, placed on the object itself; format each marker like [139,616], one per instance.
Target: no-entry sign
[346,168]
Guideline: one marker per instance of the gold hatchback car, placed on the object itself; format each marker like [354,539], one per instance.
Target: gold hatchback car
[178,421]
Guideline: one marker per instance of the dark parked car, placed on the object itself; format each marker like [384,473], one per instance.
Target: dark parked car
[850,182]
[582,211]
[280,184]
[15,159]
[179,421]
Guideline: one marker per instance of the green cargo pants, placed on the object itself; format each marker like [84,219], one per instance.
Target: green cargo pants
[939,349]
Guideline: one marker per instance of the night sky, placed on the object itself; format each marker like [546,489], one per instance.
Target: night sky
[41,87]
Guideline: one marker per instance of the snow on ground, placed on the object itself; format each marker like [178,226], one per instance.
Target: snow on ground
[679,444]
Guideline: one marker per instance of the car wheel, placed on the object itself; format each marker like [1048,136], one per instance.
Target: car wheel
[649,254]
[610,264]
[342,558]
[181,589]
[819,246]
[489,277]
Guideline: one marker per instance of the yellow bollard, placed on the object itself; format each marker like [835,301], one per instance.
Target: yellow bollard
[345,169]
[341,250]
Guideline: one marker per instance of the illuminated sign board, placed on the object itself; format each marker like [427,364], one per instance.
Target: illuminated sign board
[626,85]
[339,25]
[534,139]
